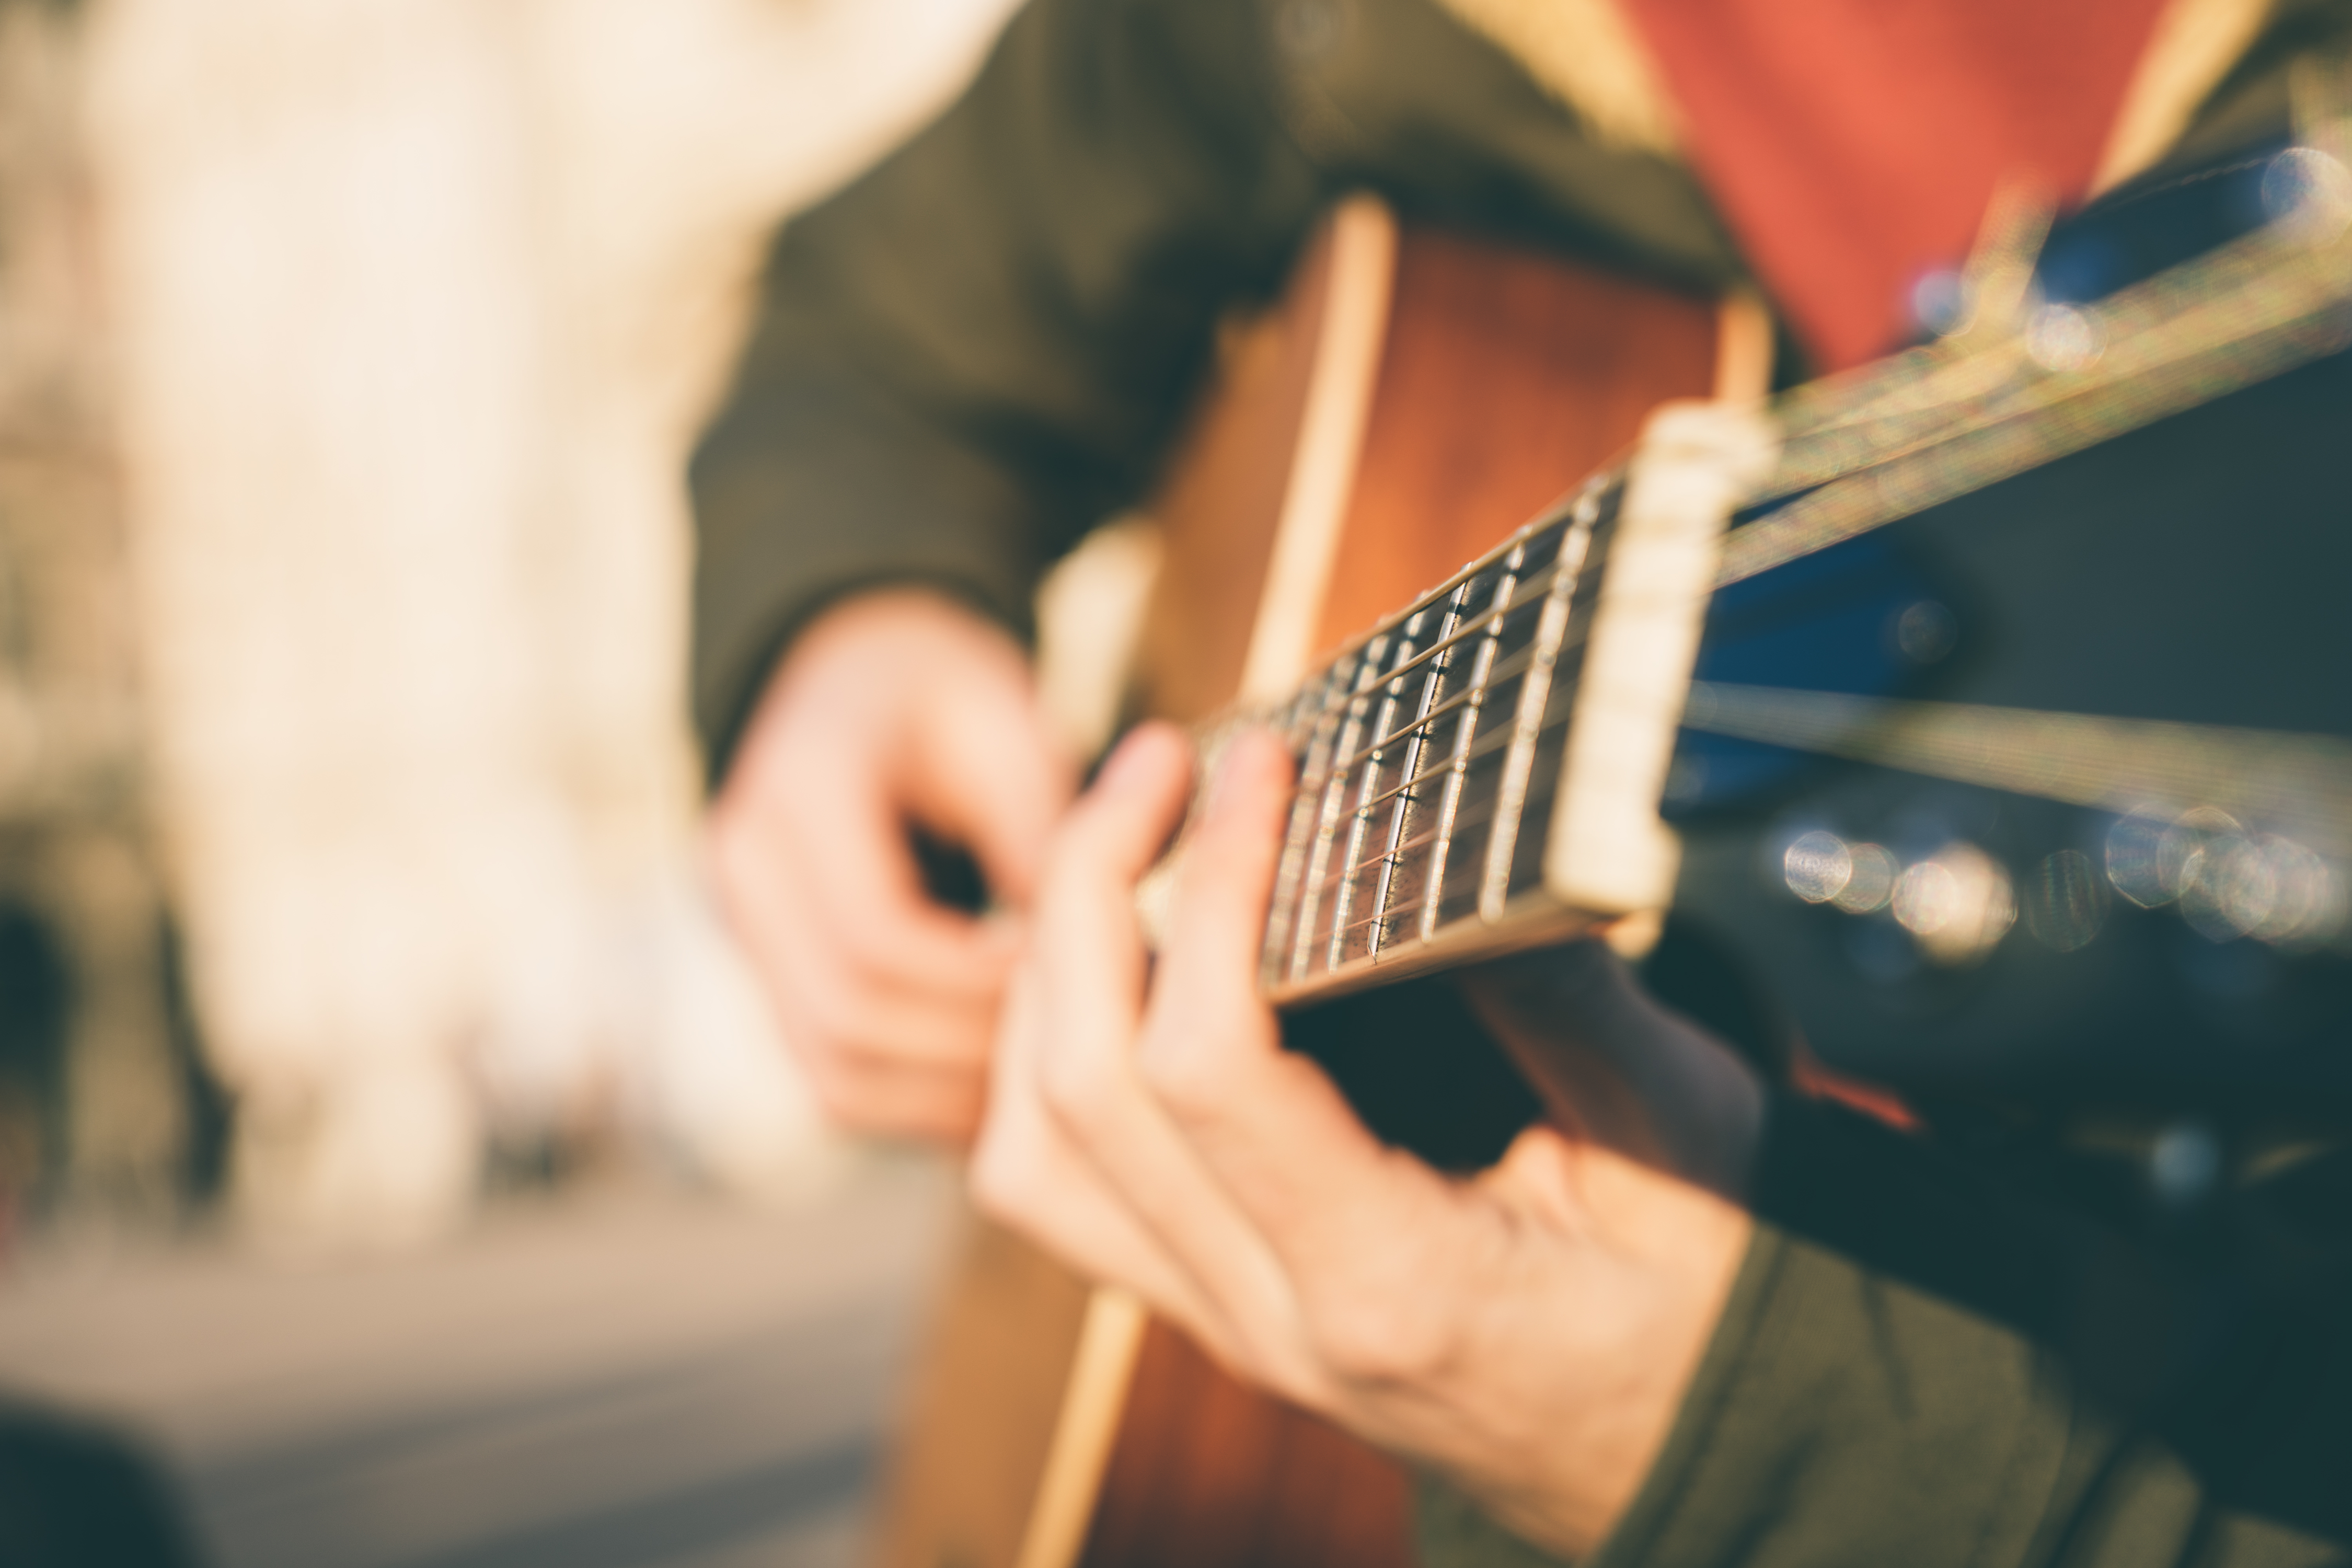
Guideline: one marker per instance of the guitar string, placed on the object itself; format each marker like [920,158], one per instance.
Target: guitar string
[2186,337]
[2297,783]
[2254,309]
[1418,735]
[1886,443]
[2277,260]
[1485,746]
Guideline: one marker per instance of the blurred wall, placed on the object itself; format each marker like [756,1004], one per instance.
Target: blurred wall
[416,306]
[90,1097]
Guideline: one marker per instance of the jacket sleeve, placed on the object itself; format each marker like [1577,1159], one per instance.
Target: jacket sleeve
[1918,1367]
[975,351]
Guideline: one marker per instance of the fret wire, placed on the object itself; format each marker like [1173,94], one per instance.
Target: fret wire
[1502,671]
[1403,847]
[1485,746]
[1468,629]
[1322,732]
[1416,741]
[1492,741]
[1458,768]
[1359,818]
[1481,745]
[1535,695]
[1397,855]
[1554,518]
[1331,789]
[1470,746]
[1327,826]
[1463,631]
[1512,548]
[1331,878]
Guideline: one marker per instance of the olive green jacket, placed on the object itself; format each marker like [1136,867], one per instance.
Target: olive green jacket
[980,349]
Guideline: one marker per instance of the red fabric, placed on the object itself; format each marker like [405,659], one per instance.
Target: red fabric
[1852,145]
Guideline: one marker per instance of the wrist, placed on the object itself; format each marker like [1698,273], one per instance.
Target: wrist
[1576,1360]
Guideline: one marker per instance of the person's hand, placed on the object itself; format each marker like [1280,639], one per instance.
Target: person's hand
[1528,1332]
[894,710]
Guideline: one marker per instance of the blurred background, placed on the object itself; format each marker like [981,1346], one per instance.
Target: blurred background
[388,1139]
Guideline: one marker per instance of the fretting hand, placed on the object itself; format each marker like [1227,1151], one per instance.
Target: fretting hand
[893,710]
[1528,1332]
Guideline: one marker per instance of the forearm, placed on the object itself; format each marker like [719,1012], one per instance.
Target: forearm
[1846,1419]
[1919,1366]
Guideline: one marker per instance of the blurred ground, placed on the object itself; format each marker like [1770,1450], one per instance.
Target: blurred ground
[608,1377]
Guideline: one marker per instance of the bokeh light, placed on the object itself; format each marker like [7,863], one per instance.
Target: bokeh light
[1872,885]
[2066,901]
[1817,866]
[1958,904]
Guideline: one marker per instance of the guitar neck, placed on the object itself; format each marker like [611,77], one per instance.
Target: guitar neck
[1442,785]
[1423,753]
[1482,771]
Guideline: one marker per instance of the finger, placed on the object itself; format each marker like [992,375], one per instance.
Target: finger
[1269,1124]
[830,998]
[1217,918]
[887,1101]
[1027,1173]
[1090,965]
[836,868]
[1089,954]
[1089,949]
[1214,1051]
[990,775]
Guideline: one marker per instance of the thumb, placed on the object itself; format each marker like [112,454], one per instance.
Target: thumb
[1616,1068]
[989,774]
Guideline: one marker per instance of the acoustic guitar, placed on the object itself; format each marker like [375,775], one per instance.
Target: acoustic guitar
[2008,744]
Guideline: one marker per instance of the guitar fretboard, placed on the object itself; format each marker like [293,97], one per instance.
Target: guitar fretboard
[1424,751]
[1431,754]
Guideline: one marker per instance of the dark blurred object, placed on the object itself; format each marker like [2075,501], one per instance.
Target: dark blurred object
[950,876]
[34,996]
[93,1105]
[75,1495]
[2190,571]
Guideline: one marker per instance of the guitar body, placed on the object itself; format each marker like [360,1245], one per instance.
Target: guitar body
[2027,783]
[1413,398]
